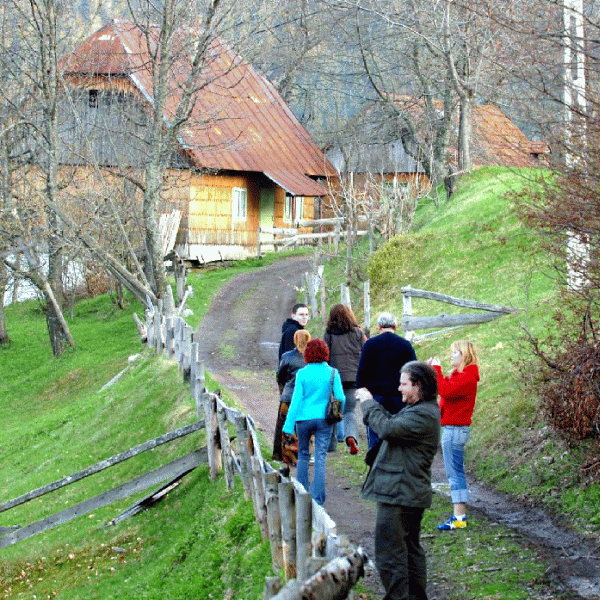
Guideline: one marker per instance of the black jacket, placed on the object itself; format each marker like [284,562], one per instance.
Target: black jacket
[381,359]
[288,329]
[401,473]
[291,362]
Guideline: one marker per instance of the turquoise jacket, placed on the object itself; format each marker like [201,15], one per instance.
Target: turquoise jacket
[311,393]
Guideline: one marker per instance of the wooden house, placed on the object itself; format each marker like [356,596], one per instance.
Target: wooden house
[242,159]
[370,155]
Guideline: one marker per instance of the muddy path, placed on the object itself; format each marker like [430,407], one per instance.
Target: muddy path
[239,339]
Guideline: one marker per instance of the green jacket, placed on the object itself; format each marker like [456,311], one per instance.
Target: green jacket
[401,473]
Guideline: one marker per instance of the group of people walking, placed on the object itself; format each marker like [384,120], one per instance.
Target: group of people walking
[405,423]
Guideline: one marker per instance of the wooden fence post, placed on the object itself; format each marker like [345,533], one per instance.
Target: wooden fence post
[169,302]
[260,507]
[186,364]
[324,315]
[241,425]
[170,336]
[367,308]
[303,534]
[158,331]
[210,423]
[225,447]
[200,386]
[274,518]
[150,328]
[258,242]
[407,310]
[345,295]
[287,509]
[177,337]
[180,279]
[312,293]
[336,237]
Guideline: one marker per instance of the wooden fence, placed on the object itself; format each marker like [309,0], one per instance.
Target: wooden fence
[303,538]
[314,282]
[409,323]
[286,237]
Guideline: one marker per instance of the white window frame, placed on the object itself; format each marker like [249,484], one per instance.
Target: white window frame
[287,208]
[298,208]
[239,204]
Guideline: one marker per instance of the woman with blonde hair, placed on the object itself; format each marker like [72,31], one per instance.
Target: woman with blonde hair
[457,400]
[285,447]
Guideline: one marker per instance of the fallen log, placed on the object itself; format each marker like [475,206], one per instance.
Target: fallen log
[333,582]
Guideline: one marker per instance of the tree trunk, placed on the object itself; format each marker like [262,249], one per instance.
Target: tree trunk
[464,132]
[4,339]
[58,329]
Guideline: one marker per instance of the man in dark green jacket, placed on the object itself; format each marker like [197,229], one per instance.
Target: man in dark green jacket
[400,479]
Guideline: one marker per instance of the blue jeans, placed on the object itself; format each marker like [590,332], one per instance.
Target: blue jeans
[322,432]
[454,439]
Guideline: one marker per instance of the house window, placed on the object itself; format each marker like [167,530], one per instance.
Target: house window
[298,208]
[93,98]
[240,204]
[287,208]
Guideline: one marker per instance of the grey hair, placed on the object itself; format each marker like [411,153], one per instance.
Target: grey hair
[387,320]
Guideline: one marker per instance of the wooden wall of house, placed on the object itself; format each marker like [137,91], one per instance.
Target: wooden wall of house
[308,212]
[206,203]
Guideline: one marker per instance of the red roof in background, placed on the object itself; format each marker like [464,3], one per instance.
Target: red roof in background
[496,140]
[239,121]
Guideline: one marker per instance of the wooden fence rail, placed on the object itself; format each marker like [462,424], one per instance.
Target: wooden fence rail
[303,537]
[409,323]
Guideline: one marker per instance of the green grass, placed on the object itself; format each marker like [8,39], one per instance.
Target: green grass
[56,421]
[475,247]
[201,541]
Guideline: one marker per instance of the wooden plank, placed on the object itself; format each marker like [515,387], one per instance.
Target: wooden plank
[104,464]
[168,471]
[149,500]
[412,323]
[414,293]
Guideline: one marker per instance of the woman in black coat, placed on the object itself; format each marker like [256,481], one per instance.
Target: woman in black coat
[284,448]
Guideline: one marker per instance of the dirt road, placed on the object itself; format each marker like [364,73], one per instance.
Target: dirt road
[240,338]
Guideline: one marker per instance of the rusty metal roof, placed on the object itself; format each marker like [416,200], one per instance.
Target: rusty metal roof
[239,122]
[497,140]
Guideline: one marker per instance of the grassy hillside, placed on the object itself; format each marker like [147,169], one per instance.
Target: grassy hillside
[201,542]
[475,247]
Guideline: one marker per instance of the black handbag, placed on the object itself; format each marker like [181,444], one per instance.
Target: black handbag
[333,410]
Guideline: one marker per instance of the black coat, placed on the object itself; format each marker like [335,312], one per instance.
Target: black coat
[288,329]
[291,362]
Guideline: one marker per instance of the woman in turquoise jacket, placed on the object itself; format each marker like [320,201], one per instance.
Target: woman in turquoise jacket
[307,414]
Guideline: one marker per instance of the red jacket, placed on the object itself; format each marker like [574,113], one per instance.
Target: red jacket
[457,395]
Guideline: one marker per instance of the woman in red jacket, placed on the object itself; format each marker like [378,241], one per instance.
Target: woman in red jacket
[457,400]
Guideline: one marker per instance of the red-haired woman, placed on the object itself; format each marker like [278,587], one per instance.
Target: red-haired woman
[307,414]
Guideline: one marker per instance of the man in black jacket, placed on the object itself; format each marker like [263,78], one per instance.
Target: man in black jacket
[381,359]
[298,320]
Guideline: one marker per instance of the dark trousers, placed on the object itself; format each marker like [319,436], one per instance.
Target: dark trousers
[399,557]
